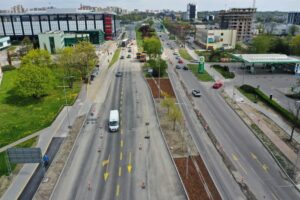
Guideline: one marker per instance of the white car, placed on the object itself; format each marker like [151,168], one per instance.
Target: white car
[196,93]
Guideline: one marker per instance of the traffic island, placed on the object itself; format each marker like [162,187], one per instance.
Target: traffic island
[190,166]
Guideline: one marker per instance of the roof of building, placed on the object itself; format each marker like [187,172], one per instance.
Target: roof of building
[59,11]
[266,58]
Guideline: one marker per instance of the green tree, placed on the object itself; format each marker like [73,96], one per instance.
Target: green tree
[168,103]
[261,44]
[34,81]
[26,46]
[152,46]
[37,57]
[295,45]
[280,45]
[175,115]
[159,67]
[67,60]
[85,58]
[293,30]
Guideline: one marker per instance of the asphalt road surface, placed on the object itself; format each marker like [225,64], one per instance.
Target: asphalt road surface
[127,160]
[254,163]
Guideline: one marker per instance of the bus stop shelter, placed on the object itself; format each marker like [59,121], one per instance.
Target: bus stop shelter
[272,61]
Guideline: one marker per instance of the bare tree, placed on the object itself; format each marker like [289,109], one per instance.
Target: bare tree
[295,111]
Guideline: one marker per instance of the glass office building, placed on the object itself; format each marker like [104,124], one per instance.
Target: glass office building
[68,20]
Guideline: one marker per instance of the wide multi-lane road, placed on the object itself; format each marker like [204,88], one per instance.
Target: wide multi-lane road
[106,165]
[253,162]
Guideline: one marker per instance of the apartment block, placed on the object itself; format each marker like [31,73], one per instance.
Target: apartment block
[239,19]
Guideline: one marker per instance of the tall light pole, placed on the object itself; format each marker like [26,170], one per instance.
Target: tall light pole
[66,100]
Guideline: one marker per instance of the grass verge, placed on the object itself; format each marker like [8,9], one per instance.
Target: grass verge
[184,54]
[115,57]
[205,77]
[224,71]
[139,40]
[21,117]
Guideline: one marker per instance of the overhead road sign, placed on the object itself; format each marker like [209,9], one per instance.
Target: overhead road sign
[24,155]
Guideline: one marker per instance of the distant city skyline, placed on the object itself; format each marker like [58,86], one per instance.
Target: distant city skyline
[180,5]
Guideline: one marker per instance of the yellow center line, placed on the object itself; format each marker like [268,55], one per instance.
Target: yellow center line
[118,191]
[120,171]
[121,156]
[121,144]
[237,160]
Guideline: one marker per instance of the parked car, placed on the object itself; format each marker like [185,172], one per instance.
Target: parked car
[119,74]
[129,50]
[180,61]
[177,57]
[195,61]
[196,93]
[185,68]
[175,53]
[217,84]
[178,67]
[129,56]
[122,57]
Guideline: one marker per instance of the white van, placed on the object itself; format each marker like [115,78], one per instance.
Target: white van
[113,123]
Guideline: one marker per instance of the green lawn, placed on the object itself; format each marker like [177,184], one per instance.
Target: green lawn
[184,54]
[115,58]
[21,117]
[3,166]
[249,95]
[205,77]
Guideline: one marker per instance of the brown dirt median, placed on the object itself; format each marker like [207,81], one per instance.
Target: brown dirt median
[165,86]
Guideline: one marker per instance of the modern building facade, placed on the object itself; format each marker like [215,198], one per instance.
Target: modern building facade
[4,42]
[294,18]
[53,41]
[67,20]
[215,39]
[191,12]
[239,19]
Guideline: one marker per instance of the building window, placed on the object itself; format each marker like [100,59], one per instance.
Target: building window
[89,17]
[25,18]
[6,19]
[80,17]
[72,17]
[98,17]
[35,18]
[62,17]
[53,18]
[16,19]
[44,18]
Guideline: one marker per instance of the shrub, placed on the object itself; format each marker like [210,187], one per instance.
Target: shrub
[224,71]
[8,68]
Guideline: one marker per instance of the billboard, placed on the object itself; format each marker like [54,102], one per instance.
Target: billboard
[24,155]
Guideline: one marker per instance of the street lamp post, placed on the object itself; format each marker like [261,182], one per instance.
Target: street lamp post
[66,100]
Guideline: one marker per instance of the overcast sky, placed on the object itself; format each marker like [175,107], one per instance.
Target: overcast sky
[202,5]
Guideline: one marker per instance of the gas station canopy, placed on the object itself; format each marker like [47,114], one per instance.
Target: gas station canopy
[265,58]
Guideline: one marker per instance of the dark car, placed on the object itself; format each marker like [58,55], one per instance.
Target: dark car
[217,85]
[178,67]
[128,56]
[119,74]
[180,61]
[196,93]
[185,68]
[122,57]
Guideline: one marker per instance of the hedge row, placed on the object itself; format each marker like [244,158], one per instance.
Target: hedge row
[7,68]
[273,104]
[224,71]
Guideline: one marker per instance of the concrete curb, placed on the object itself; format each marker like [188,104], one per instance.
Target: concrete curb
[161,131]
[294,184]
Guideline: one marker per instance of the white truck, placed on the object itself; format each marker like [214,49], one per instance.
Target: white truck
[113,123]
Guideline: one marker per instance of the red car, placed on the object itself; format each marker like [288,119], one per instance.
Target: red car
[217,85]
[180,61]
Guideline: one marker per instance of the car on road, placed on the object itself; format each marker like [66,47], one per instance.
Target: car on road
[129,56]
[129,50]
[177,57]
[217,85]
[178,67]
[119,74]
[196,93]
[175,54]
[122,57]
[180,61]
[195,61]
[185,68]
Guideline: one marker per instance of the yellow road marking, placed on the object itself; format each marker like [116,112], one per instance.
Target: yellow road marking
[235,158]
[118,191]
[129,166]
[121,143]
[121,130]
[120,171]
[106,174]
[121,156]
[264,166]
